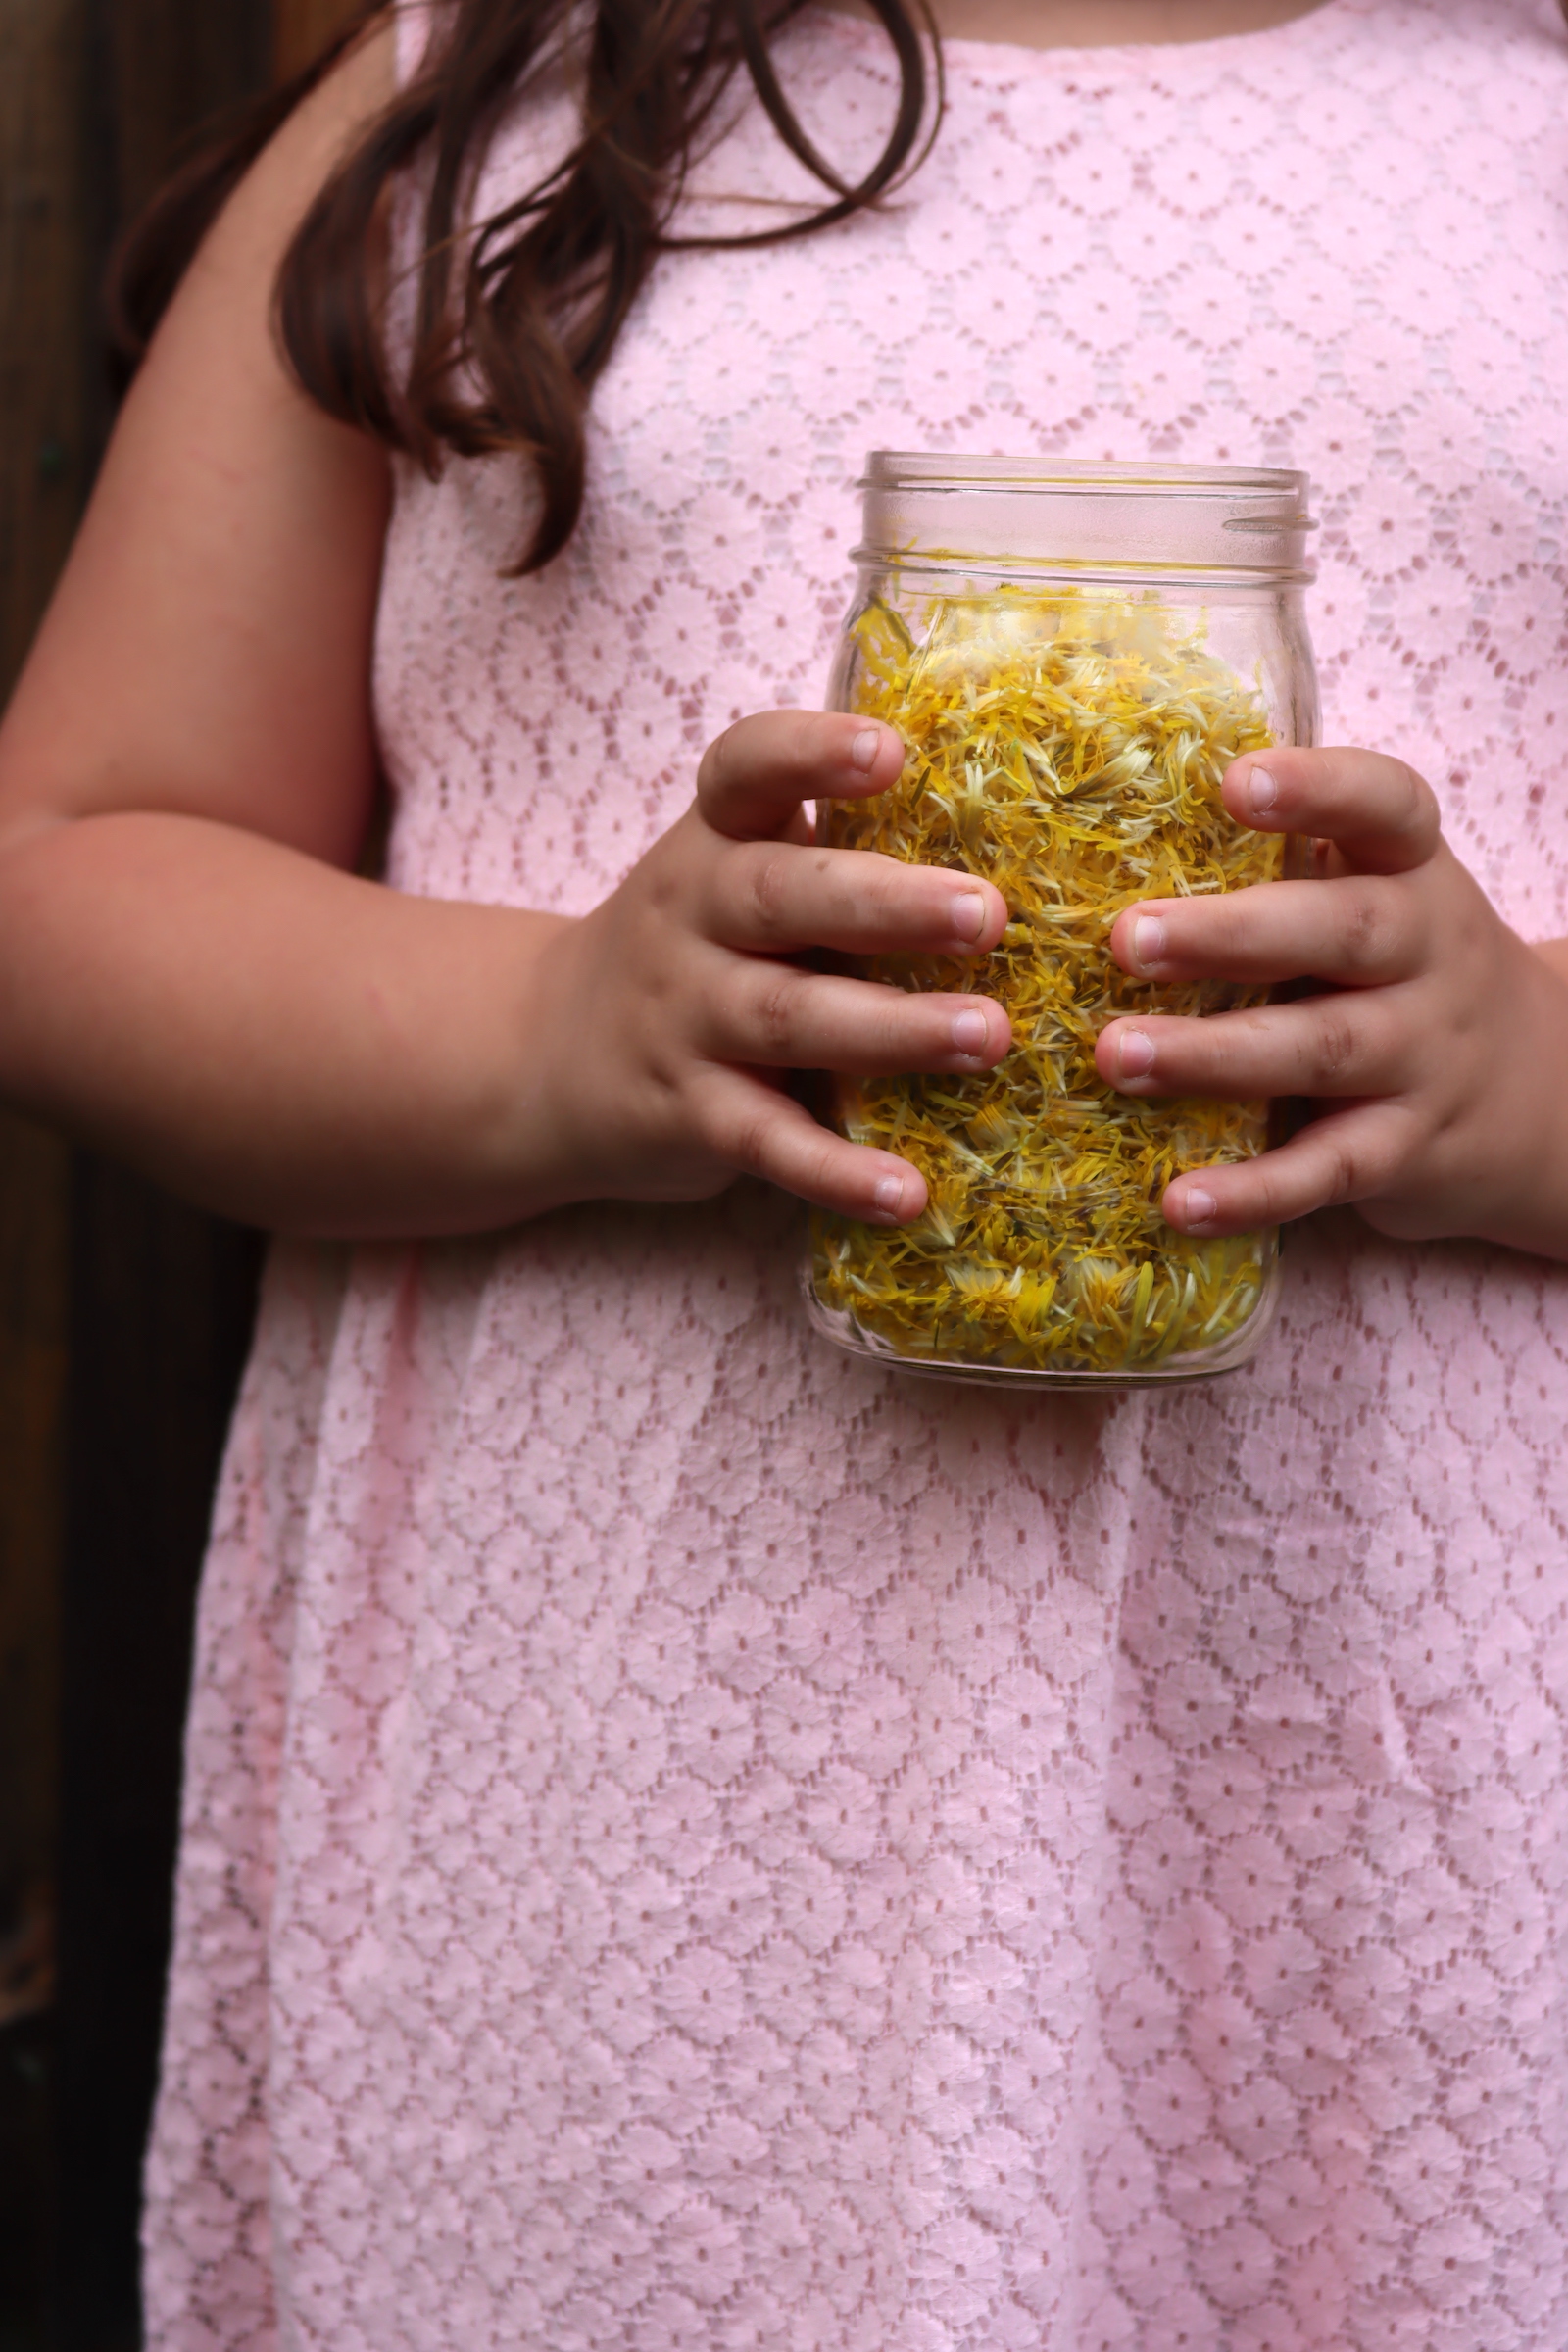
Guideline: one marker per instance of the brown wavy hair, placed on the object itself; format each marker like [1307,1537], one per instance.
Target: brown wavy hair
[515,315]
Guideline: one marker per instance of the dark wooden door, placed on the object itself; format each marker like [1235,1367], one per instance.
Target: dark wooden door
[124,1315]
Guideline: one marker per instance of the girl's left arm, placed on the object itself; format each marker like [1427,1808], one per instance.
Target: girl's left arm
[1435,1056]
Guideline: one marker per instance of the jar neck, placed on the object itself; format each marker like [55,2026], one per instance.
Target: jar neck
[1016,518]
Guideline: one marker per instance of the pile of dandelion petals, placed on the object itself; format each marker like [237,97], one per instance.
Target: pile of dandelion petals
[1069,747]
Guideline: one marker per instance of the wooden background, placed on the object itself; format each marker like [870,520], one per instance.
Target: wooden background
[123,1316]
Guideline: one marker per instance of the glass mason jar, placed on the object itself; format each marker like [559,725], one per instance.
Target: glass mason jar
[1073,656]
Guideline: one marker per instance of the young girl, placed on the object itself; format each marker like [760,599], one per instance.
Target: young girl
[690,1840]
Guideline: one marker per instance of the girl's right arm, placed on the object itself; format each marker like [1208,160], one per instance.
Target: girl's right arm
[190,977]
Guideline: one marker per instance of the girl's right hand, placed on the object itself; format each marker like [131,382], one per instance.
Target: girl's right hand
[190,978]
[675,1011]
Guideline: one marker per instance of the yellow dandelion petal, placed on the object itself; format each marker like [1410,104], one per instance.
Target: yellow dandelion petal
[1068,746]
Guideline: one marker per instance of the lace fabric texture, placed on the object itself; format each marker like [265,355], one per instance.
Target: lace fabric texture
[694,1844]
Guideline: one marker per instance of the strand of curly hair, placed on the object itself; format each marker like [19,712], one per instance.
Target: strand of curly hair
[516,314]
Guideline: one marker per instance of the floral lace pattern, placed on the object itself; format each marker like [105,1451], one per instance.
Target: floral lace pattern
[695,1844]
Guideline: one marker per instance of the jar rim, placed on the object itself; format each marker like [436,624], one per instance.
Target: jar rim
[1217,527]
[938,469]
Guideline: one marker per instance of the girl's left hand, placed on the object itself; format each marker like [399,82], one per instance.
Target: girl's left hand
[1435,1058]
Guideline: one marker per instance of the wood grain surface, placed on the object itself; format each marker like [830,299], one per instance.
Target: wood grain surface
[46,453]
[122,1315]
[45,458]
[302,28]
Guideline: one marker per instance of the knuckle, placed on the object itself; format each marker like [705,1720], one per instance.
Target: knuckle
[798,746]
[774,1009]
[880,899]
[1232,916]
[1336,1040]
[664,887]
[1419,802]
[1368,928]
[717,763]
[900,1024]
[1260,1199]
[807,737]
[883,880]
[767,887]
[1341,1174]
[1230,1047]
[892,897]
[1317,772]
[746,1143]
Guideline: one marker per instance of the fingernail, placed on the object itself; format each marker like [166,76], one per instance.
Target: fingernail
[968,913]
[1149,940]
[864,750]
[970,1032]
[889,1195]
[1135,1051]
[1261,790]
[1197,1208]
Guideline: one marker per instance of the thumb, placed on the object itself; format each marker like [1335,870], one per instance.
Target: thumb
[1379,814]
[755,776]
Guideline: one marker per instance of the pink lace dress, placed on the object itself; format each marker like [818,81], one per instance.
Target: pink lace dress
[692,1843]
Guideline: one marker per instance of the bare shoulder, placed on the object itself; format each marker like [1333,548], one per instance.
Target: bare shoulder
[272,200]
[221,595]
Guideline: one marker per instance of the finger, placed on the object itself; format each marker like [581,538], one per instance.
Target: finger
[1346,1156]
[1383,816]
[755,776]
[1356,1044]
[1355,931]
[772,897]
[766,1134]
[779,1017]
